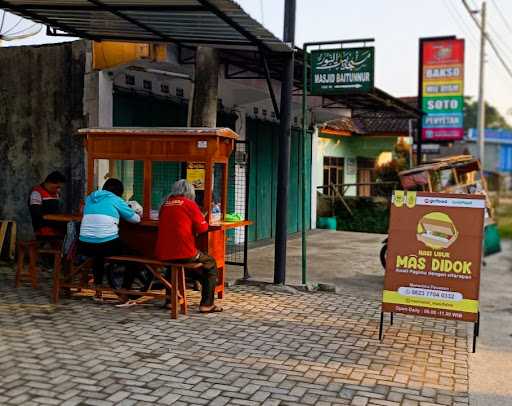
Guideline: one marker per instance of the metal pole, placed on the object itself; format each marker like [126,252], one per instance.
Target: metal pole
[303,174]
[481,96]
[283,165]
[411,139]
[419,132]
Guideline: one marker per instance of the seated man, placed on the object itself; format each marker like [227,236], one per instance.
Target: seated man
[180,220]
[45,199]
[99,231]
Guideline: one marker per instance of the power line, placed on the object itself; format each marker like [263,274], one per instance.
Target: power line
[459,21]
[502,15]
[503,44]
[488,38]
[2,23]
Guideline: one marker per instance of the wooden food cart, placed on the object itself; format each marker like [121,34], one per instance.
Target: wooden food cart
[460,174]
[457,174]
[149,161]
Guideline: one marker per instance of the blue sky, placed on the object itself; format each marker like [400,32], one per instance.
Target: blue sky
[396,26]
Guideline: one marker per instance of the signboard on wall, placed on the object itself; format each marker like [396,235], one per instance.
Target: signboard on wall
[434,255]
[442,89]
[341,71]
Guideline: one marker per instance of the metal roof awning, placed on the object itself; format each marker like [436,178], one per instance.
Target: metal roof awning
[375,104]
[215,23]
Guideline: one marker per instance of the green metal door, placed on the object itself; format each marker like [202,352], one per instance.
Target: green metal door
[263,138]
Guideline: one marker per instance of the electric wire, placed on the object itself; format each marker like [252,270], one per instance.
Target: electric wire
[489,40]
[459,20]
[502,15]
[2,23]
[14,26]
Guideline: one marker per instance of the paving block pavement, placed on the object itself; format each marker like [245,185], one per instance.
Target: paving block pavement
[266,348]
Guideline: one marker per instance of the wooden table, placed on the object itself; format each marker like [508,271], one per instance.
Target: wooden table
[141,239]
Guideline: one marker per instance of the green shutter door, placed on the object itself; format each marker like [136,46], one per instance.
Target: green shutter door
[263,137]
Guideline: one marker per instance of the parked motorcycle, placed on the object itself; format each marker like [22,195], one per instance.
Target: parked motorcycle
[384,253]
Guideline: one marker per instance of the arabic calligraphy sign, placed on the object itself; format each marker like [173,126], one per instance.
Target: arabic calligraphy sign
[434,255]
[442,91]
[340,71]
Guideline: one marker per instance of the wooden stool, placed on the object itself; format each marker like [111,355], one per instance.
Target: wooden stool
[178,280]
[32,248]
[8,228]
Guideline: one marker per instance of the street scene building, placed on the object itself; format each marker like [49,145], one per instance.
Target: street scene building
[196,210]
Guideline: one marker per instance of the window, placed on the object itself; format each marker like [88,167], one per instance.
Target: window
[333,174]
[129,80]
[147,84]
[164,88]
[180,92]
[365,174]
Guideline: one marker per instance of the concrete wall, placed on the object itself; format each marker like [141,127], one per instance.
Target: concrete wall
[41,92]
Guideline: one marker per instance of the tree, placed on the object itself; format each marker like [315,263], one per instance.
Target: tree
[493,118]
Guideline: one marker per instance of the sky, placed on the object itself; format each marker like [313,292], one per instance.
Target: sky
[396,26]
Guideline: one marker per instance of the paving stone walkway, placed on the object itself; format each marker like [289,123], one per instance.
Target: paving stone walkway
[266,348]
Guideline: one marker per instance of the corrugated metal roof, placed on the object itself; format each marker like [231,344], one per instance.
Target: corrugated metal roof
[219,23]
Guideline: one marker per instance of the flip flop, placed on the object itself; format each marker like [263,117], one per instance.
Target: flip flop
[129,303]
[214,309]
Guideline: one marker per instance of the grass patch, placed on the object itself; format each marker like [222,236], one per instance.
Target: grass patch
[504,219]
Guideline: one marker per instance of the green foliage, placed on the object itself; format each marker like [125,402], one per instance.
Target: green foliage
[493,118]
[389,172]
[504,218]
[369,215]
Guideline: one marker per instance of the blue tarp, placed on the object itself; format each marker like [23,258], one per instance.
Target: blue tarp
[505,164]
[498,136]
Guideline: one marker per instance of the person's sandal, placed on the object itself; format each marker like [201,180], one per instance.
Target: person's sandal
[214,309]
[129,303]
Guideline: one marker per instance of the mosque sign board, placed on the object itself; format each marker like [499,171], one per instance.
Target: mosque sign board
[342,71]
[434,255]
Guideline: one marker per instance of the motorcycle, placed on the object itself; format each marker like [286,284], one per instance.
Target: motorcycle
[383,253]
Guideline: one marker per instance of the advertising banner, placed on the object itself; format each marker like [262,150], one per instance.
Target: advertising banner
[442,92]
[340,71]
[195,174]
[434,255]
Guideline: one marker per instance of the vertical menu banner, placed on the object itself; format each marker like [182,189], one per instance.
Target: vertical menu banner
[442,92]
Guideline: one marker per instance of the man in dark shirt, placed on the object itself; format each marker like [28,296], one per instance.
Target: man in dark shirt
[45,199]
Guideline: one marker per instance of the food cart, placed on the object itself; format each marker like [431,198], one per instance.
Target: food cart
[149,161]
[461,174]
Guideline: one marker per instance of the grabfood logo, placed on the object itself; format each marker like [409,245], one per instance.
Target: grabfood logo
[436,230]
[435,201]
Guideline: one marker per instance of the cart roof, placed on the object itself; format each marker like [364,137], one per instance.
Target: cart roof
[163,131]
[442,163]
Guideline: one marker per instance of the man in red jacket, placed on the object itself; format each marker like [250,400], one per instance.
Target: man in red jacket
[180,220]
[45,199]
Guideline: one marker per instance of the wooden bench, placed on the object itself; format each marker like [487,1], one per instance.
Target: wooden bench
[175,289]
[32,248]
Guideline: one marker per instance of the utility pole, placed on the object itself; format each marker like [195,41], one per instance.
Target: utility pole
[283,164]
[481,96]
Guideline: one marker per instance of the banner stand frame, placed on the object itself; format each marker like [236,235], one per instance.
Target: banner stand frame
[476,328]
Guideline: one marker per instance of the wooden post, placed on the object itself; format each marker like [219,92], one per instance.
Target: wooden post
[206,86]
